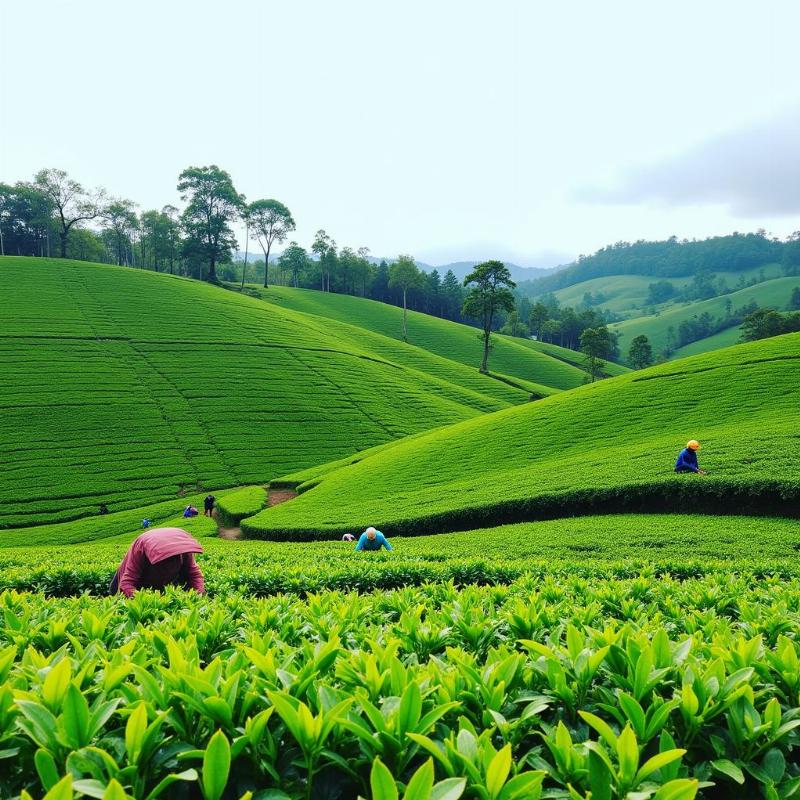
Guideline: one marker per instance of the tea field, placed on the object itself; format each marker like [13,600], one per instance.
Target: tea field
[128,387]
[520,359]
[619,656]
[606,447]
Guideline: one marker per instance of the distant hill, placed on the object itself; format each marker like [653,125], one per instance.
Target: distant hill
[665,259]
[518,274]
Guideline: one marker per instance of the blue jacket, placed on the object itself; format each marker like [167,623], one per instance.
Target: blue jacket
[687,460]
[364,542]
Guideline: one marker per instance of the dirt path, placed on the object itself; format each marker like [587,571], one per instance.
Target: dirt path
[274,497]
[278,496]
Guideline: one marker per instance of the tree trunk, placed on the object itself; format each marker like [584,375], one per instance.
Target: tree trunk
[63,236]
[266,267]
[246,243]
[405,325]
[212,269]
[485,362]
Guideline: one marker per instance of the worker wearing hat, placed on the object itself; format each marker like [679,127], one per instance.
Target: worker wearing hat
[687,459]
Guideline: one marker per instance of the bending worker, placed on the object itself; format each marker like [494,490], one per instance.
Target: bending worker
[158,558]
[687,459]
[372,539]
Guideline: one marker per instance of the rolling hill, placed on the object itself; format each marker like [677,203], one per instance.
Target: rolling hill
[517,358]
[773,293]
[609,446]
[129,387]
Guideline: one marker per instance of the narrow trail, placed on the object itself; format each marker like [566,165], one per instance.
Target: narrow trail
[274,497]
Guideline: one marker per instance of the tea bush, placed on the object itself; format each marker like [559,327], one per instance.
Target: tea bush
[548,687]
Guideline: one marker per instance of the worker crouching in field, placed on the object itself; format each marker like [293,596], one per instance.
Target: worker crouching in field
[372,539]
[159,558]
[687,459]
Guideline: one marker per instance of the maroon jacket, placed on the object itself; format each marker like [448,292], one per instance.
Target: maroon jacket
[160,557]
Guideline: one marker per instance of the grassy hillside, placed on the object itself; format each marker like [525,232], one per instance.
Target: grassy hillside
[127,387]
[605,446]
[510,356]
[773,293]
[627,294]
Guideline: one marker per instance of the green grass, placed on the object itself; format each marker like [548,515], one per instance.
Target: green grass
[509,356]
[127,387]
[773,293]
[609,446]
[627,294]
[726,338]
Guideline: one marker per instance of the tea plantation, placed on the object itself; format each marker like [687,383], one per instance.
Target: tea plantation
[606,447]
[126,387]
[580,652]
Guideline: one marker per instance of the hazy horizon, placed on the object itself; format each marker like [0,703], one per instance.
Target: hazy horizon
[531,134]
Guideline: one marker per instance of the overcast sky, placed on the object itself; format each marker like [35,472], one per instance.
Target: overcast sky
[528,131]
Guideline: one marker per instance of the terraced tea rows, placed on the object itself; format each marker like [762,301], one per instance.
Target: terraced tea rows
[127,387]
[606,447]
[520,359]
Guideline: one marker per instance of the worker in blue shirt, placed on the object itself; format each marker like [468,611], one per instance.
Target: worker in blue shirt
[687,459]
[372,539]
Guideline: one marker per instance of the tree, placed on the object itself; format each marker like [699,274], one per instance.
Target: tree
[453,294]
[294,259]
[322,246]
[762,324]
[119,219]
[405,275]
[213,204]
[540,313]
[491,293]
[71,203]
[271,222]
[791,254]
[380,286]
[596,344]
[640,354]
[794,301]
[515,326]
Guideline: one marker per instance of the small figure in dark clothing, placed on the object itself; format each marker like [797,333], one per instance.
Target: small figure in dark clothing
[208,504]
[687,459]
[190,511]
[103,509]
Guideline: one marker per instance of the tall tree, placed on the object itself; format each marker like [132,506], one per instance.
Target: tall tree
[404,275]
[453,294]
[322,246]
[71,203]
[172,228]
[294,259]
[212,206]
[596,344]
[490,293]
[246,216]
[640,354]
[119,218]
[271,222]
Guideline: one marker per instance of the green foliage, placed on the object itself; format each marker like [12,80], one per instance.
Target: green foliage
[607,447]
[640,354]
[212,204]
[489,295]
[235,506]
[766,322]
[643,685]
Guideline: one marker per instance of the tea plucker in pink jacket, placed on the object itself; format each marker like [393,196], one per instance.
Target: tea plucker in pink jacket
[158,558]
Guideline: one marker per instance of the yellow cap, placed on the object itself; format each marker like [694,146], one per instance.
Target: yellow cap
[693,444]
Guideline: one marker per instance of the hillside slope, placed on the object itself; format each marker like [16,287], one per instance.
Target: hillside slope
[773,293]
[128,387]
[515,358]
[608,446]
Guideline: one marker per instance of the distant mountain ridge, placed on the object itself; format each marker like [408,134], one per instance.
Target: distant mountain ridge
[666,259]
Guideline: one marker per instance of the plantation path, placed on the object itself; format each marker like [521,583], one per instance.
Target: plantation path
[278,496]
[274,497]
